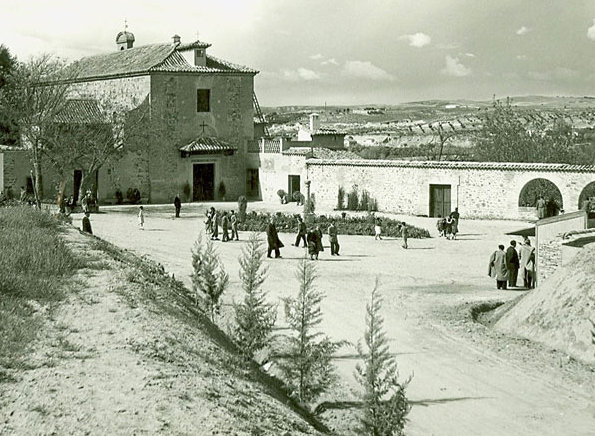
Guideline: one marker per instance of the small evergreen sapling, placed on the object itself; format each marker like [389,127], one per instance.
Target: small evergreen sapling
[385,405]
[209,279]
[254,317]
[308,372]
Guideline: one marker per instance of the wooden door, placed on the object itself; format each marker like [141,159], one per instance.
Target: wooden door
[293,185]
[439,200]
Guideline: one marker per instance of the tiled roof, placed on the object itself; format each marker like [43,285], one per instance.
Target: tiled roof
[81,111]
[133,61]
[503,166]
[207,144]
[328,132]
[320,153]
[143,60]
[193,45]
[177,63]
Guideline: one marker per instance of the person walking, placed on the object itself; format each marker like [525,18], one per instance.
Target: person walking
[313,244]
[318,232]
[177,205]
[87,224]
[512,264]
[209,221]
[541,204]
[497,267]
[448,227]
[301,235]
[404,234]
[377,229]
[141,218]
[224,227]
[526,263]
[233,219]
[454,227]
[274,243]
[332,235]
[215,225]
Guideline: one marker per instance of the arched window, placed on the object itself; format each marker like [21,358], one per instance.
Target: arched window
[587,192]
[542,188]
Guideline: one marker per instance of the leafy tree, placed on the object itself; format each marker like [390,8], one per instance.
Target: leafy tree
[508,135]
[385,405]
[35,93]
[254,317]
[308,371]
[9,134]
[209,279]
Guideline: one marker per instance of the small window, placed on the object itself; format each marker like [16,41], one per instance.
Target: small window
[203,97]
[199,53]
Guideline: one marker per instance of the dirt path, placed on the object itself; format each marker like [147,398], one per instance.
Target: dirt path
[460,385]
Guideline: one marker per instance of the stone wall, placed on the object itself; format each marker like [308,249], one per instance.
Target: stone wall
[548,234]
[125,93]
[480,190]
[16,168]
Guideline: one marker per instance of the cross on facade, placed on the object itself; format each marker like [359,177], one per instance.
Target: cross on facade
[203,125]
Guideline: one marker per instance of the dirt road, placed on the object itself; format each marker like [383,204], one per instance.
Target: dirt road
[460,386]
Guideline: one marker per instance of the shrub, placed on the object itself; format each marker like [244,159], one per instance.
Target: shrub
[385,405]
[281,193]
[186,191]
[353,199]
[254,317]
[119,197]
[221,190]
[296,196]
[310,205]
[308,372]
[341,198]
[242,206]
[364,201]
[209,279]
[133,195]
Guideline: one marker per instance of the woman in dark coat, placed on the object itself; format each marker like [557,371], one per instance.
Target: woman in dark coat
[274,243]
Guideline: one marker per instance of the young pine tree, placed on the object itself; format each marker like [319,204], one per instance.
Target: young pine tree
[255,317]
[209,279]
[385,405]
[308,371]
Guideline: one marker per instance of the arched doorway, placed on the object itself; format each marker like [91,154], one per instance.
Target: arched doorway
[542,188]
[587,192]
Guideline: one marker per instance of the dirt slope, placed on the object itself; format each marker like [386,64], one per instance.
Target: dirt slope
[558,313]
[123,356]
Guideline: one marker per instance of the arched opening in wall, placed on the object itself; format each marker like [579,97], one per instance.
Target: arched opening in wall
[552,197]
[587,193]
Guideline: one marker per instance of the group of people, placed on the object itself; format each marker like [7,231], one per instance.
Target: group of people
[228,222]
[449,226]
[311,238]
[378,231]
[506,266]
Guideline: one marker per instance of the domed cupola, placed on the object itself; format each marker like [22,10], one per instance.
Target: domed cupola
[124,40]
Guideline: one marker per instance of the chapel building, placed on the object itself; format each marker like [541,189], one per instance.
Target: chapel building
[207,105]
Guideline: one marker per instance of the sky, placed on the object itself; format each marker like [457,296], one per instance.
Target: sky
[341,52]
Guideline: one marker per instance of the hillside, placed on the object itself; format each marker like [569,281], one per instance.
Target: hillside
[127,353]
[559,312]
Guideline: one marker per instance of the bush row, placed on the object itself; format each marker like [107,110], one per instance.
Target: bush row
[350,225]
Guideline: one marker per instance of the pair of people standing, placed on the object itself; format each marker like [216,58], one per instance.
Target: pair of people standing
[313,238]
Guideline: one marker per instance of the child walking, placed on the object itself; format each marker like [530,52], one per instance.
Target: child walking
[377,229]
[141,218]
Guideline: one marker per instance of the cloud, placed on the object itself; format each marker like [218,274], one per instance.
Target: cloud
[591,31]
[365,70]
[448,46]
[455,68]
[559,73]
[300,74]
[470,55]
[521,57]
[331,61]
[523,31]
[418,39]
[316,56]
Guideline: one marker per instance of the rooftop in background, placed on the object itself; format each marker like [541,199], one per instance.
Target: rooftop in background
[81,111]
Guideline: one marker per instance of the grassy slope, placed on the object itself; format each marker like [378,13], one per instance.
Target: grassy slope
[127,350]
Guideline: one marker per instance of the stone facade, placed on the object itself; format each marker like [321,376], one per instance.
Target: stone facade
[15,168]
